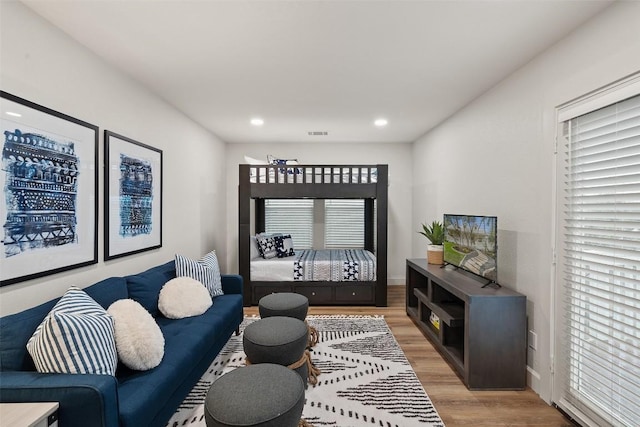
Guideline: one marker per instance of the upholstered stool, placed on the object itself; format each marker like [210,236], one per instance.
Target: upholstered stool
[257,395]
[280,340]
[288,304]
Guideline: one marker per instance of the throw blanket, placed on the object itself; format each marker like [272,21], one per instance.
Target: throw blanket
[334,265]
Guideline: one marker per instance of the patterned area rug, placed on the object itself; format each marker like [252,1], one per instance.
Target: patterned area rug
[366,379]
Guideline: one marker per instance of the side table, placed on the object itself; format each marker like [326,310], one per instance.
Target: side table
[36,414]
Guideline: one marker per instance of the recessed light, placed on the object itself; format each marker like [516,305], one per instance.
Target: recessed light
[257,121]
[11,113]
[380,122]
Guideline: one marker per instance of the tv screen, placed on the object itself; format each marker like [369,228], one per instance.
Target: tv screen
[471,243]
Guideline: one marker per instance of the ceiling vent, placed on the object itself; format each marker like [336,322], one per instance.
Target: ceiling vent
[318,133]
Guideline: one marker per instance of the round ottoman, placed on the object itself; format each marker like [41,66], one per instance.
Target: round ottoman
[280,340]
[287,304]
[257,395]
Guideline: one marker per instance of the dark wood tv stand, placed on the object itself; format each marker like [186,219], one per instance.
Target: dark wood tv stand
[481,332]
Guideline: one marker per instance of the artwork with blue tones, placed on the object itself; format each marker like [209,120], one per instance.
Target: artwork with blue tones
[136,196]
[40,192]
[49,183]
[133,196]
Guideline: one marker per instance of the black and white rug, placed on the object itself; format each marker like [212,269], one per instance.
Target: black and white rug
[366,379]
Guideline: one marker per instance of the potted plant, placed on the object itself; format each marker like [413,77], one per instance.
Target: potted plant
[435,234]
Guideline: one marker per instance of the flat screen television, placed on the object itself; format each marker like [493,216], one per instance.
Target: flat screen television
[471,243]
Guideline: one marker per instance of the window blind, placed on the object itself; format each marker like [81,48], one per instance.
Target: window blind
[344,224]
[597,344]
[291,216]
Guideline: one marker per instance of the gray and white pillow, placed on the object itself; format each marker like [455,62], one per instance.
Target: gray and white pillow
[267,245]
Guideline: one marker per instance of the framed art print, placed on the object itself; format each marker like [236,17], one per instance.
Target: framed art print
[49,180]
[133,196]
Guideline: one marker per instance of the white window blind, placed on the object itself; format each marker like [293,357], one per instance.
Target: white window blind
[291,216]
[344,224]
[597,340]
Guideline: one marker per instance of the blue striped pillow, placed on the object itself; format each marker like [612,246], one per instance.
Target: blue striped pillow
[76,337]
[206,271]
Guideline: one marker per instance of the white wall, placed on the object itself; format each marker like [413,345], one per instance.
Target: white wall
[495,157]
[397,156]
[45,66]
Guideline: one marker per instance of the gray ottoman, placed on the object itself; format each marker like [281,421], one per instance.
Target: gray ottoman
[287,304]
[280,340]
[265,395]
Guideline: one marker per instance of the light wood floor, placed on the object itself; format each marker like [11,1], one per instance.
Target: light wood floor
[456,405]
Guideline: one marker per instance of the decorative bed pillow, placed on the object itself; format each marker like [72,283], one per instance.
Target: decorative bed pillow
[267,245]
[76,337]
[254,247]
[276,161]
[139,340]
[183,297]
[206,271]
[284,246]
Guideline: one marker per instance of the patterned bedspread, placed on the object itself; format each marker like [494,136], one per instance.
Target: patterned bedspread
[334,265]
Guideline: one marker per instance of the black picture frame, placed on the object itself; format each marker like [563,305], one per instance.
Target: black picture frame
[49,179]
[132,196]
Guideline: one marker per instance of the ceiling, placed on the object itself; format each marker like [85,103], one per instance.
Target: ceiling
[317,66]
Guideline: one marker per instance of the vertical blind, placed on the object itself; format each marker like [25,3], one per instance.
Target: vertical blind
[344,224]
[291,216]
[597,344]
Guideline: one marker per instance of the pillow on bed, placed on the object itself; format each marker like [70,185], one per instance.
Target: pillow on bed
[284,246]
[267,245]
[276,161]
[254,247]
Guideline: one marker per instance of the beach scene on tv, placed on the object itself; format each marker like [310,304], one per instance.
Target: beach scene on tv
[471,244]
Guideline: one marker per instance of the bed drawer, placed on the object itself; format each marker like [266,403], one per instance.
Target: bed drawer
[346,293]
[316,294]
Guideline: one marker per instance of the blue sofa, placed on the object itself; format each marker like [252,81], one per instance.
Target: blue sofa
[131,398]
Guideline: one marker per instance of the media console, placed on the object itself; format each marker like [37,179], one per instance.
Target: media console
[482,332]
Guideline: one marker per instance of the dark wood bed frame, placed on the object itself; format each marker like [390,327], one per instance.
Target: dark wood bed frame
[317,182]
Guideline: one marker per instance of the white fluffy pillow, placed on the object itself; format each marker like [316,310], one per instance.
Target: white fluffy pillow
[139,340]
[183,297]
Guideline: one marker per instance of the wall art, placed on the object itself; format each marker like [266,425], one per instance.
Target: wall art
[49,180]
[133,196]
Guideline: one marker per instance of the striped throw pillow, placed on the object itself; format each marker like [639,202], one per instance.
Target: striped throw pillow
[205,270]
[76,337]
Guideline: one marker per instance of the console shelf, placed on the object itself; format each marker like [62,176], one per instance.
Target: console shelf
[480,331]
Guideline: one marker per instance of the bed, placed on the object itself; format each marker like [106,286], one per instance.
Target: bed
[361,279]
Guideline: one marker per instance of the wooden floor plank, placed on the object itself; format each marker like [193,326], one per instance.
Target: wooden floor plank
[456,405]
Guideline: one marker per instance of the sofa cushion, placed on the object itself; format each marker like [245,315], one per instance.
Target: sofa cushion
[205,270]
[139,340]
[183,297]
[107,291]
[76,337]
[145,287]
